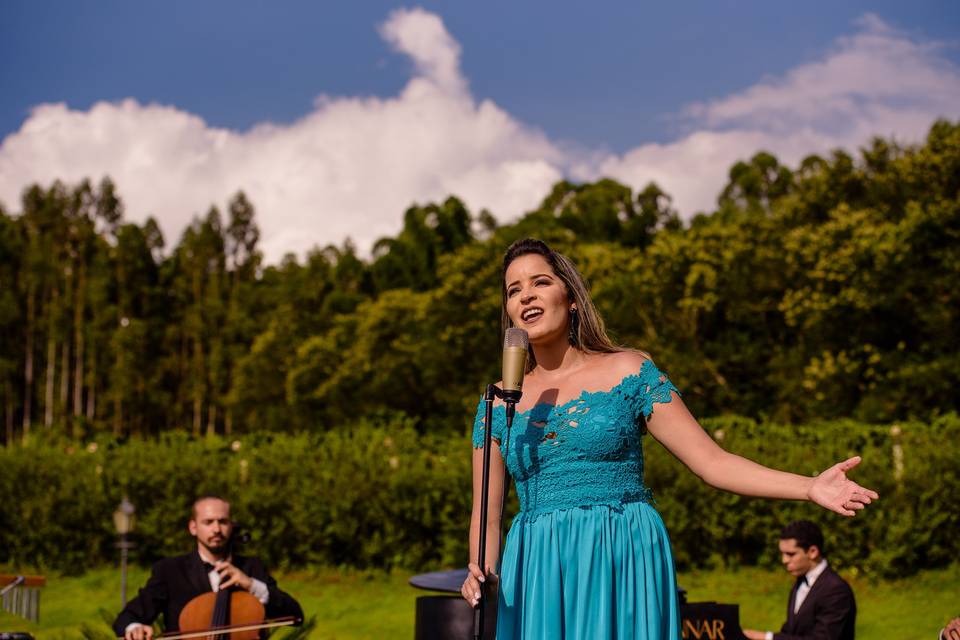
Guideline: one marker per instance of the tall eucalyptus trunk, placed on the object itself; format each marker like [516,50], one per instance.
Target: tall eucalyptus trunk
[8,416]
[28,361]
[117,415]
[78,334]
[197,387]
[212,419]
[117,388]
[91,412]
[51,362]
[63,406]
[199,370]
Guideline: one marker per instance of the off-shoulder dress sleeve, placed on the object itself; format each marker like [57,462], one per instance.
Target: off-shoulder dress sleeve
[649,387]
[479,427]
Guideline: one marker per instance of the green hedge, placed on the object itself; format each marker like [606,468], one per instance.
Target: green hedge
[380,495]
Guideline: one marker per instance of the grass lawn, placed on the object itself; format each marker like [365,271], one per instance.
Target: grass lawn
[379,605]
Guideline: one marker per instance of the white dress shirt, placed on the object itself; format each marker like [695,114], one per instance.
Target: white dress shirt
[257,588]
[804,588]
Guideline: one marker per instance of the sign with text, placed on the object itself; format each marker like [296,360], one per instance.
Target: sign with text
[710,621]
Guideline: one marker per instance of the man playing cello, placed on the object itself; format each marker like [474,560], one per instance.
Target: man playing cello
[211,567]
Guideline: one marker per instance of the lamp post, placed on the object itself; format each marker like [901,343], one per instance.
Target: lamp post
[123,521]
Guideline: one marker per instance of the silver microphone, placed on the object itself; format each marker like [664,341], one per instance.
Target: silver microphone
[515,342]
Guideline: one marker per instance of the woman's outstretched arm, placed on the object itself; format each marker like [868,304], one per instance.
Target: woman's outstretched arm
[675,428]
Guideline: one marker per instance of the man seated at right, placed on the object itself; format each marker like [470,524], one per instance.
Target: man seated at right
[821,604]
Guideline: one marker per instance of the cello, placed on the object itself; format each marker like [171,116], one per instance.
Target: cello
[228,614]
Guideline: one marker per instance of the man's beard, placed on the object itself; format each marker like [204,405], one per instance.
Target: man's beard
[217,548]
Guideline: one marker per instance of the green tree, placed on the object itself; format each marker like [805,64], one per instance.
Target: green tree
[410,259]
[12,248]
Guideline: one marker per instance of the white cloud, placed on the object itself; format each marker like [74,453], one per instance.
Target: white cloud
[866,72]
[352,165]
[877,82]
[422,35]
[348,168]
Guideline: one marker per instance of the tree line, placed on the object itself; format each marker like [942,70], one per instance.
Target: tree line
[825,290]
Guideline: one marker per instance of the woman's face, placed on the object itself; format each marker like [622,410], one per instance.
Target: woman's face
[537,299]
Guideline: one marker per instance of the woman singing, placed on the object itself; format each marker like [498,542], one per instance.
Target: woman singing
[588,556]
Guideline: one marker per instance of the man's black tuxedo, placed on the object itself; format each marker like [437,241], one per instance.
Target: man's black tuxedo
[827,613]
[176,581]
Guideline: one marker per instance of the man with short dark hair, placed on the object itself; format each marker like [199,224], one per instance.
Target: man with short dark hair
[821,604]
[212,566]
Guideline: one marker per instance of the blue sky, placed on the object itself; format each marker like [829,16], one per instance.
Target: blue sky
[522,93]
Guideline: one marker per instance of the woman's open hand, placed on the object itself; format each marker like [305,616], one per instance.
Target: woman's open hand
[833,490]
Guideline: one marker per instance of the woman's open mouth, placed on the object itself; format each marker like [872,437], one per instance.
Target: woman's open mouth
[531,315]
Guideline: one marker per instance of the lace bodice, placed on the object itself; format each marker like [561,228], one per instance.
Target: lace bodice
[586,451]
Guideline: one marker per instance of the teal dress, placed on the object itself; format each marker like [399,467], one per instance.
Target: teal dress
[587,557]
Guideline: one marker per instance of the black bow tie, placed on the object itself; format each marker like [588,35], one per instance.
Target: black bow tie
[208,567]
[802,580]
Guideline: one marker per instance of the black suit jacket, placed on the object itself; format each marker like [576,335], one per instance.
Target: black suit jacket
[175,581]
[829,611]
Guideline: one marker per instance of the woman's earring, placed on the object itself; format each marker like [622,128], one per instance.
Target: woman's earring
[574,336]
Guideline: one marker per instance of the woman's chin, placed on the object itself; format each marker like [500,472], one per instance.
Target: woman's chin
[544,336]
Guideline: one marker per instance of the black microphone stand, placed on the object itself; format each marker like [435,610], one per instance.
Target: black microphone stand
[510,398]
